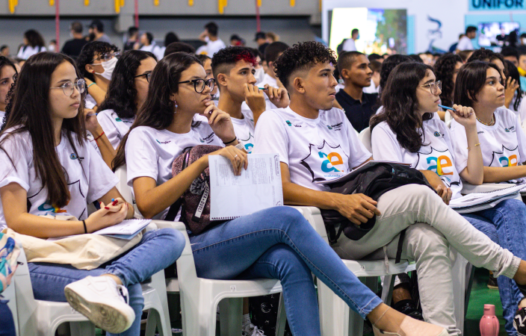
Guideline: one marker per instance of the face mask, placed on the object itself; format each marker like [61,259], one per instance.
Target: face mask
[108,67]
[260,74]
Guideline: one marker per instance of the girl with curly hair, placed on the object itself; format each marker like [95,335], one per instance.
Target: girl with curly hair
[446,70]
[126,94]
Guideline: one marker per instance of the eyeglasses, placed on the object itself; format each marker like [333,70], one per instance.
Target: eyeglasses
[147,75]
[200,84]
[433,87]
[68,87]
[106,57]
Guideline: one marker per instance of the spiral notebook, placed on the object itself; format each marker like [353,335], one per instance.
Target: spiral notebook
[257,188]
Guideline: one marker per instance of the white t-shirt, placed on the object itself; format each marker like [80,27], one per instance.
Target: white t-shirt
[371,88]
[87,176]
[436,155]
[154,49]
[502,145]
[214,46]
[349,45]
[268,80]
[2,119]
[318,149]
[89,102]
[151,152]
[28,51]
[114,127]
[465,44]
[244,129]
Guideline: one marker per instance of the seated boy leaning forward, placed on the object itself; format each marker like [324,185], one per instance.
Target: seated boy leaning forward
[316,142]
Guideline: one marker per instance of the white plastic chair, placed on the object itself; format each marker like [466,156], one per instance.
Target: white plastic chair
[36,317]
[365,138]
[200,297]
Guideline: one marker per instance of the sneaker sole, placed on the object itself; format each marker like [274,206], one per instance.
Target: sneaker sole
[102,315]
[493,287]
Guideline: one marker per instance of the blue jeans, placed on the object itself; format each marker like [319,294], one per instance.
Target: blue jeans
[157,250]
[279,243]
[505,225]
[7,326]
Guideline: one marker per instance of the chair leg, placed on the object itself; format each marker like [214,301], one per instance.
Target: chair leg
[282,317]
[153,323]
[85,328]
[230,316]
[159,283]
[387,290]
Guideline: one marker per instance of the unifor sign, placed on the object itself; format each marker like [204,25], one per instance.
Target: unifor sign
[496,4]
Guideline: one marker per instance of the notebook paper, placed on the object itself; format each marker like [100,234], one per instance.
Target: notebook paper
[257,188]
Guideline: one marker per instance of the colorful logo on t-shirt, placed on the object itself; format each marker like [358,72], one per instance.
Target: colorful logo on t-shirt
[289,123]
[326,162]
[163,142]
[46,207]
[336,127]
[506,158]
[73,156]
[510,129]
[118,119]
[437,134]
[441,163]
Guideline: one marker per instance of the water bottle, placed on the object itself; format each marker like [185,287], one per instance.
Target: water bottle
[489,323]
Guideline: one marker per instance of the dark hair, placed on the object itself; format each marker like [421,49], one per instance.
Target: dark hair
[481,55]
[347,58]
[4,61]
[76,27]
[444,70]
[354,31]
[28,110]
[374,57]
[157,111]
[203,58]
[416,58]
[97,24]
[470,80]
[400,105]
[34,39]
[132,31]
[464,54]
[225,59]
[389,64]
[88,52]
[303,55]
[169,38]
[513,72]
[508,51]
[178,47]
[212,28]
[273,50]
[149,37]
[375,66]
[121,93]
[471,29]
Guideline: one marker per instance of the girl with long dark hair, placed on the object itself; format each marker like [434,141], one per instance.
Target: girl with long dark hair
[48,171]
[406,132]
[8,75]
[126,94]
[276,243]
[33,43]
[446,70]
[518,104]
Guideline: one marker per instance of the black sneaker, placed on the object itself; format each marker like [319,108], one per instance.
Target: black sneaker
[492,282]
[408,308]
[519,322]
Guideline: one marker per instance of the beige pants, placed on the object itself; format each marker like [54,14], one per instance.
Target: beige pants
[431,228]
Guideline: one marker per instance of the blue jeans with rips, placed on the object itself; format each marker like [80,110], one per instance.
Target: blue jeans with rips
[505,224]
[279,243]
[157,250]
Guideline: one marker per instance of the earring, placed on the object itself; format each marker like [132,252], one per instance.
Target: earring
[175,105]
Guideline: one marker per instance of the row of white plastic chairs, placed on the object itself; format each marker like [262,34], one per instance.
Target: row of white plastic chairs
[200,297]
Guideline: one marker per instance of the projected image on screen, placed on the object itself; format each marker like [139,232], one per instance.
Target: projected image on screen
[381,30]
[494,33]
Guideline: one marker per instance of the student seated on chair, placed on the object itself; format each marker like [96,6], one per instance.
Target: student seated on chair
[126,94]
[233,69]
[8,75]
[275,243]
[406,132]
[316,143]
[47,168]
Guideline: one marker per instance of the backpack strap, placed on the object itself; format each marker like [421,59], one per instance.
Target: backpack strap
[174,210]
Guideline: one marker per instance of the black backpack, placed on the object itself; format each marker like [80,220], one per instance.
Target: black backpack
[339,48]
[373,179]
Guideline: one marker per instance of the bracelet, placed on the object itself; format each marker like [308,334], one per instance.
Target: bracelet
[228,143]
[85,228]
[476,145]
[91,85]
[99,136]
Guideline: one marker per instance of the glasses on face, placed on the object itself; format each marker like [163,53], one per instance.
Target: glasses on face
[147,75]
[106,57]
[200,84]
[68,87]
[433,87]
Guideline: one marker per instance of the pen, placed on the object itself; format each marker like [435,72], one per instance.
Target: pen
[446,107]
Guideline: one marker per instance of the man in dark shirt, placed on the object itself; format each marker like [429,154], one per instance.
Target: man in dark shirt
[73,47]
[358,106]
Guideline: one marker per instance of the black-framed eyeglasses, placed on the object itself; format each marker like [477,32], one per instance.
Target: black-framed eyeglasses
[147,75]
[68,87]
[200,84]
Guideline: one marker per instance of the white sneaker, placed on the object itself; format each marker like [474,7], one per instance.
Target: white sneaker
[101,300]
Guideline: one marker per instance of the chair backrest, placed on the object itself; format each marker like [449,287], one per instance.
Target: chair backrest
[448,119]
[125,190]
[25,301]
[365,138]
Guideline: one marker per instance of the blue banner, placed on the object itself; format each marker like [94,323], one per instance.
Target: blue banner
[477,5]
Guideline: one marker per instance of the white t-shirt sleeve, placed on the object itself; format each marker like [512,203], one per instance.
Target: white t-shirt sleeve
[16,169]
[385,145]
[271,136]
[101,178]
[359,154]
[111,132]
[141,156]
[521,139]
[465,44]
[459,142]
